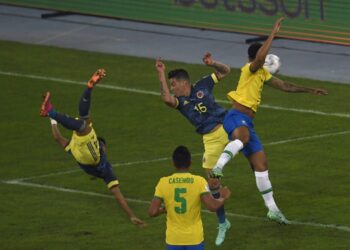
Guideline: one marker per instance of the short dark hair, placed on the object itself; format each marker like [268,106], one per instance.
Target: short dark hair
[253,50]
[179,74]
[182,157]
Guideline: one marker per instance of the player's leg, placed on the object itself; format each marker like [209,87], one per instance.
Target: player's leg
[84,103]
[258,161]
[66,121]
[235,125]
[85,100]
[214,143]
[240,136]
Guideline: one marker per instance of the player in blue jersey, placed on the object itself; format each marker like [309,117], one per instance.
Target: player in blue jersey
[238,122]
[86,148]
[197,103]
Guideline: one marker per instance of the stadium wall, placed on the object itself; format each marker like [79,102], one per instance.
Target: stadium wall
[311,20]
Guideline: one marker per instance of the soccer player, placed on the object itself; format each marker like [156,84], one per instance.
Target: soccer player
[197,103]
[238,122]
[182,194]
[87,149]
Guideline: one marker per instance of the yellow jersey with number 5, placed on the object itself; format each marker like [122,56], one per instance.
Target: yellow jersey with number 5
[181,194]
[250,85]
[85,149]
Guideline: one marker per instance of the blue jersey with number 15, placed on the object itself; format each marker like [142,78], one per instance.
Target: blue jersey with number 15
[200,107]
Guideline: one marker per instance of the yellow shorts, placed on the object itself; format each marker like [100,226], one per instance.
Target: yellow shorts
[214,144]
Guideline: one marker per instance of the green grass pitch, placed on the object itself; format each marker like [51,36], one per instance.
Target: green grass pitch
[309,168]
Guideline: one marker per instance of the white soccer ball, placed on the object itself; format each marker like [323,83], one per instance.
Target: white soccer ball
[272,63]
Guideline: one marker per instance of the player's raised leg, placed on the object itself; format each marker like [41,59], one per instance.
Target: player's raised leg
[214,143]
[67,122]
[241,135]
[79,125]
[85,100]
[258,162]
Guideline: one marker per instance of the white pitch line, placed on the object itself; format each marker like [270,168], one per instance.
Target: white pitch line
[65,33]
[75,191]
[195,154]
[148,92]
[78,169]
[307,138]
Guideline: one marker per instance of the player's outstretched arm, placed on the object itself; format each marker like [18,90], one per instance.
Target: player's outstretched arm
[57,134]
[156,207]
[222,70]
[264,50]
[124,205]
[167,98]
[293,88]
[214,204]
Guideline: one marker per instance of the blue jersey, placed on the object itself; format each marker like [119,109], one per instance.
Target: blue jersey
[200,107]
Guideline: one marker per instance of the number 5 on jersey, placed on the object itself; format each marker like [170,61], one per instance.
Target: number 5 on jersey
[182,208]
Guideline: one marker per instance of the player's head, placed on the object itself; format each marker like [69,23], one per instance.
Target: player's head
[253,50]
[182,157]
[179,81]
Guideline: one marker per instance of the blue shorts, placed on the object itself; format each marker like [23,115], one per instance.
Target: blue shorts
[188,247]
[235,119]
[103,170]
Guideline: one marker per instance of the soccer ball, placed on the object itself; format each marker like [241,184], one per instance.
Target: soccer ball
[272,63]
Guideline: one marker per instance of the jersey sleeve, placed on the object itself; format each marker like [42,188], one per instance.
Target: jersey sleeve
[203,186]
[177,106]
[268,75]
[158,192]
[68,147]
[208,82]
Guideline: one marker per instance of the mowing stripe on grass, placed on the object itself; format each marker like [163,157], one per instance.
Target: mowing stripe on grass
[76,191]
[148,92]
[196,154]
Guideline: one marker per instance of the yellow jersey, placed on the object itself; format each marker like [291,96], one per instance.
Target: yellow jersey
[250,85]
[181,194]
[85,149]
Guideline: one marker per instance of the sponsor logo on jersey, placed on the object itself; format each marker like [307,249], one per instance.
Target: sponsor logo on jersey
[200,94]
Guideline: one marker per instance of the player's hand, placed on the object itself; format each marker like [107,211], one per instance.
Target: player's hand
[136,221]
[318,91]
[277,25]
[160,67]
[97,76]
[162,210]
[213,182]
[225,193]
[207,59]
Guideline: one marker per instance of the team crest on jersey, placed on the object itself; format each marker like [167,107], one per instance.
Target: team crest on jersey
[186,102]
[200,94]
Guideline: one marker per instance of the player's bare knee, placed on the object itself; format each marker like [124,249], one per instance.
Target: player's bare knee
[242,134]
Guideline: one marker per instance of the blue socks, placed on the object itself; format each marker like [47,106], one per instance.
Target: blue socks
[66,121]
[84,103]
[220,213]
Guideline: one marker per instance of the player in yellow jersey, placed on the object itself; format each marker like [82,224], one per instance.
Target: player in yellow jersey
[86,148]
[238,122]
[182,194]
[197,103]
